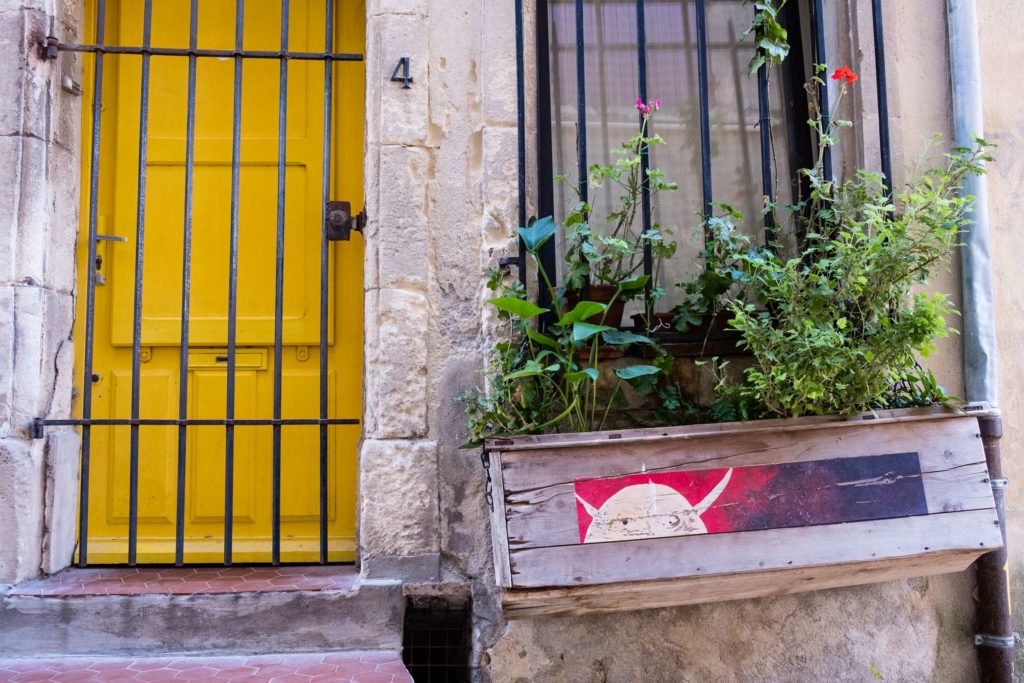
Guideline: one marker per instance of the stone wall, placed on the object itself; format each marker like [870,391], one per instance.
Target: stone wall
[39,161]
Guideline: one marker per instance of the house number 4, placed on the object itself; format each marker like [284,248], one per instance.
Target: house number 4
[401,73]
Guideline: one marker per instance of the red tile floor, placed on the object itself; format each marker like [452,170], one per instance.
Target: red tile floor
[188,581]
[355,667]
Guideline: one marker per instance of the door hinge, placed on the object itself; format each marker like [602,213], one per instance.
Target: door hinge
[341,222]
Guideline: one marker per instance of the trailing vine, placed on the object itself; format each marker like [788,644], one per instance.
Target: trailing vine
[771,40]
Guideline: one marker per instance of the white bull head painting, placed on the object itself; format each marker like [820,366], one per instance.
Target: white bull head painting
[649,510]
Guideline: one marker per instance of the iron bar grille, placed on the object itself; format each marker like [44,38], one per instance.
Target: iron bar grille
[575,38]
[137,421]
[436,639]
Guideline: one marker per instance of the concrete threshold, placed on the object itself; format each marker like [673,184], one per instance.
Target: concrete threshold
[375,666]
[222,611]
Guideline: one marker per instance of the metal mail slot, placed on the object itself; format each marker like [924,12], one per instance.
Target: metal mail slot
[251,359]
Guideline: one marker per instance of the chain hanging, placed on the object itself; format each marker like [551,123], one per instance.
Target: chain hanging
[485,460]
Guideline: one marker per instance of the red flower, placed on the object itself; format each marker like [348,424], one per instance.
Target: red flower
[845,73]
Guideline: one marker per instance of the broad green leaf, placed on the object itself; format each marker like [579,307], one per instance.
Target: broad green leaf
[582,311]
[532,371]
[584,331]
[634,371]
[621,338]
[575,378]
[635,283]
[542,339]
[517,307]
[537,234]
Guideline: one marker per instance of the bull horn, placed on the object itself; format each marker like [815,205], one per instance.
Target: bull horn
[591,510]
[710,499]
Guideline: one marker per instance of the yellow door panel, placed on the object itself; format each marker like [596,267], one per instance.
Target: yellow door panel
[156,447]
[114,274]
[206,469]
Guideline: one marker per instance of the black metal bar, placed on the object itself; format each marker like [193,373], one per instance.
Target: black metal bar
[645,162]
[186,282]
[325,272]
[821,57]
[218,54]
[799,146]
[545,168]
[236,170]
[883,93]
[140,246]
[581,105]
[90,290]
[764,125]
[705,114]
[282,151]
[195,422]
[521,131]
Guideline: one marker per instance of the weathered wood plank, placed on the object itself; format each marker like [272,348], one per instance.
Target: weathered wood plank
[941,444]
[930,413]
[694,590]
[665,558]
[499,533]
[548,516]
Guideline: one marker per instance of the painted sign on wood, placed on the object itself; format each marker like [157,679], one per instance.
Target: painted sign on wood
[795,494]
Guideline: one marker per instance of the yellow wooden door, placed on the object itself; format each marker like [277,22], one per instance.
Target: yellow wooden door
[114,271]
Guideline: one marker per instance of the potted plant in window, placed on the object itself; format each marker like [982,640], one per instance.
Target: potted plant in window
[598,258]
[818,493]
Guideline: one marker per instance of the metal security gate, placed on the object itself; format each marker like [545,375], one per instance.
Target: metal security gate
[634,18]
[195,340]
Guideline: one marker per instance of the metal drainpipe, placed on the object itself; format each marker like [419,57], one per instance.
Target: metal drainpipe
[995,637]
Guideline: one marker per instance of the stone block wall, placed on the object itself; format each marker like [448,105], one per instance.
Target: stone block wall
[39,161]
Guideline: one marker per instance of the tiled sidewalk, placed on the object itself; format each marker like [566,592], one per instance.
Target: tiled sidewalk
[187,581]
[354,667]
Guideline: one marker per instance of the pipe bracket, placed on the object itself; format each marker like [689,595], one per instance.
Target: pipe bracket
[1004,642]
[998,483]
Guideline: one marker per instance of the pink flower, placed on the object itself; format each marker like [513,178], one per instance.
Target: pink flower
[649,108]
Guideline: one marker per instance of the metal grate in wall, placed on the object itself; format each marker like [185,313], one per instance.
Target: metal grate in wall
[436,639]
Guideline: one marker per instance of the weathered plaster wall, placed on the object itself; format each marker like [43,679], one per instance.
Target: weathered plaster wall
[1002,52]
[39,127]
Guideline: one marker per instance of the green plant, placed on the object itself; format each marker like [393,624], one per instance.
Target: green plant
[703,294]
[771,40]
[614,252]
[838,325]
[550,380]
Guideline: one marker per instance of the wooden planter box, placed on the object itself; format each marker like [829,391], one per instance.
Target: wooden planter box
[657,517]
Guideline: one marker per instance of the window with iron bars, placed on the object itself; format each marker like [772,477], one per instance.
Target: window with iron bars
[732,137]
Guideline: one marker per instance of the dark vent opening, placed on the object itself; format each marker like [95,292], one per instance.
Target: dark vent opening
[436,639]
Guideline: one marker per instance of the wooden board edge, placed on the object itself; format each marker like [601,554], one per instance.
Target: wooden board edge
[710,430]
[499,525]
[628,596]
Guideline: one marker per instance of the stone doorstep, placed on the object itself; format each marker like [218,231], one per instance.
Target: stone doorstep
[168,611]
[188,581]
[355,667]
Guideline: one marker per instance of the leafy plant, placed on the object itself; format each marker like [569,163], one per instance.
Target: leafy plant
[614,252]
[771,40]
[703,294]
[837,326]
[543,380]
